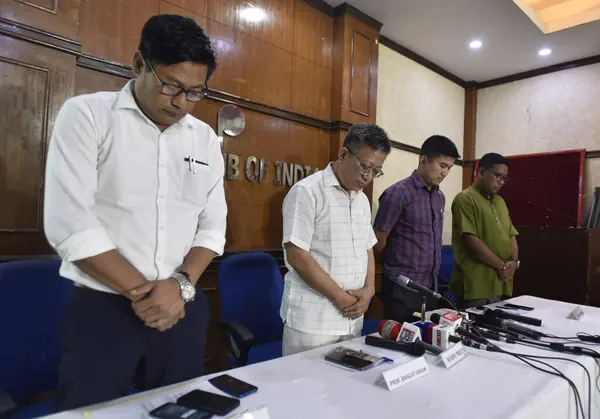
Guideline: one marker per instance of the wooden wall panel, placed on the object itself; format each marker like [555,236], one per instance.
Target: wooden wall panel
[313,34]
[262,71]
[311,89]
[360,73]
[222,37]
[223,11]
[111,29]
[469,136]
[59,17]
[197,7]
[168,8]
[34,83]
[90,81]
[355,70]
[277,28]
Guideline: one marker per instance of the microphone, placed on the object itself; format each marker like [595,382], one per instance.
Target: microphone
[414,348]
[407,283]
[516,317]
[391,330]
[505,324]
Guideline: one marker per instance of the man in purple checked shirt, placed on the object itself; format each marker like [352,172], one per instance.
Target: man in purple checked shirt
[409,226]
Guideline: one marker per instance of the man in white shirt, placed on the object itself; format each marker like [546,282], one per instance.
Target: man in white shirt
[328,240]
[135,206]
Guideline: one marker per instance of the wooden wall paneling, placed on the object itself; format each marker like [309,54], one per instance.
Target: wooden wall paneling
[222,37]
[263,72]
[336,141]
[34,83]
[313,34]
[360,81]
[168,8]
[197,7]
[594,268]
[470,129]
[111,29]
[311,89]
[60,17]
[355,69]
[223,11]
[276,28]
[90,81]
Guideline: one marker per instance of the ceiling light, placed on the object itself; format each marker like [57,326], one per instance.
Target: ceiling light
[544,51]
[252,14]
[475,44]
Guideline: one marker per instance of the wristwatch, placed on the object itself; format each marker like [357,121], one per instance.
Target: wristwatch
[518,262]
[186,288]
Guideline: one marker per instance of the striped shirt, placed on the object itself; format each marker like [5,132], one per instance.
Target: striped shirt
[335,228]
[413,216]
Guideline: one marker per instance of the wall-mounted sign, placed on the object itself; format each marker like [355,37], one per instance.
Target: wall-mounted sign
[256,169]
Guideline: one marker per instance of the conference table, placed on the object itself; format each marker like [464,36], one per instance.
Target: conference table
[482,385]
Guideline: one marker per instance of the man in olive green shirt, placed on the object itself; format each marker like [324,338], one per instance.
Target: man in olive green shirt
[484,242]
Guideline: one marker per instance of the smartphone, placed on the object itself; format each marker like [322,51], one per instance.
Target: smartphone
[175,411]
[517,307]
[232,386]
[208,402]
[349,361]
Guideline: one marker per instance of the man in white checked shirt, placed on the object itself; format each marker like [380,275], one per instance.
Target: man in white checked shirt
[328,241]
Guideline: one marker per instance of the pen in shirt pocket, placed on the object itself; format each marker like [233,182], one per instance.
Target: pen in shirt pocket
[192,163]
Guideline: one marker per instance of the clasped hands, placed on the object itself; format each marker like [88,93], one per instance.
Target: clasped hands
[508,270]
[158,303]
[355,303]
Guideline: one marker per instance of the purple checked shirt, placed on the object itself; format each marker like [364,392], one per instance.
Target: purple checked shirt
[414,217]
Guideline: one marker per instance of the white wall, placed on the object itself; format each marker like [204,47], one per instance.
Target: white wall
[557,111]
[414,103]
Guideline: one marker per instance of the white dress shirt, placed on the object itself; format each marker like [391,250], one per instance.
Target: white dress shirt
[115,181]
[335,228]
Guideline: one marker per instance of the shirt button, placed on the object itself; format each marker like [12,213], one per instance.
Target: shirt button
[162,227]
[162,197]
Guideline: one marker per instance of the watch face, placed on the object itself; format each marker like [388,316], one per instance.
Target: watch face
[188,292]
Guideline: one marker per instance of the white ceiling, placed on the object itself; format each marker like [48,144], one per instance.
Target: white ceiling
[440,30]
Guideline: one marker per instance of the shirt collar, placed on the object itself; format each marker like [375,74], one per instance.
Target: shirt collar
[330,179]
[125,100]
[420,183]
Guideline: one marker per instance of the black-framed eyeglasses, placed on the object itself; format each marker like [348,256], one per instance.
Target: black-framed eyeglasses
[365,169]
[500,178]
[172,90]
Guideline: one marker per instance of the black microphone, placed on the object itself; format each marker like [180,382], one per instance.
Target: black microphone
[413,348]
[407,283]
[505,324]
[521,319]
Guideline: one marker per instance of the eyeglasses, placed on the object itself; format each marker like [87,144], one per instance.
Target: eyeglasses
[500,178]
[365,169]
[172,90]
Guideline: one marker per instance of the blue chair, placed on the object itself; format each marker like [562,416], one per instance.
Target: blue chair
[33,298]
[251,289]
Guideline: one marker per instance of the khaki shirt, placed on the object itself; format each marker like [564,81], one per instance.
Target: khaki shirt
[489,220]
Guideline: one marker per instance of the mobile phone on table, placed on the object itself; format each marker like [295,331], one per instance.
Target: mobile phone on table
[517,307]
[232,386]
[175,411]
[349,361]
[208,402]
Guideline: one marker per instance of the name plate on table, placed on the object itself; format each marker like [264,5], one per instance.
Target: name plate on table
[454,355]
[576,314]
[404,374]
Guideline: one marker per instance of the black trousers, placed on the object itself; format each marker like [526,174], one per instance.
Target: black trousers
[106,349]
[400,303]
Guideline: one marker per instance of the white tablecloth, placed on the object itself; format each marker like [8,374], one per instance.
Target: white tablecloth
[484,385]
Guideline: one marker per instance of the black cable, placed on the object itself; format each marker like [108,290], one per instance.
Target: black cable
[587,373]
[523,358]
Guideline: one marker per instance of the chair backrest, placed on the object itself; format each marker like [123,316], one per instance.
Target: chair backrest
[251,289]
[446,265]
[33,297]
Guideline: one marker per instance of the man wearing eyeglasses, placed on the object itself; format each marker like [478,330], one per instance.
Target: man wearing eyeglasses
[135,207]
[484,240]
[328,241]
